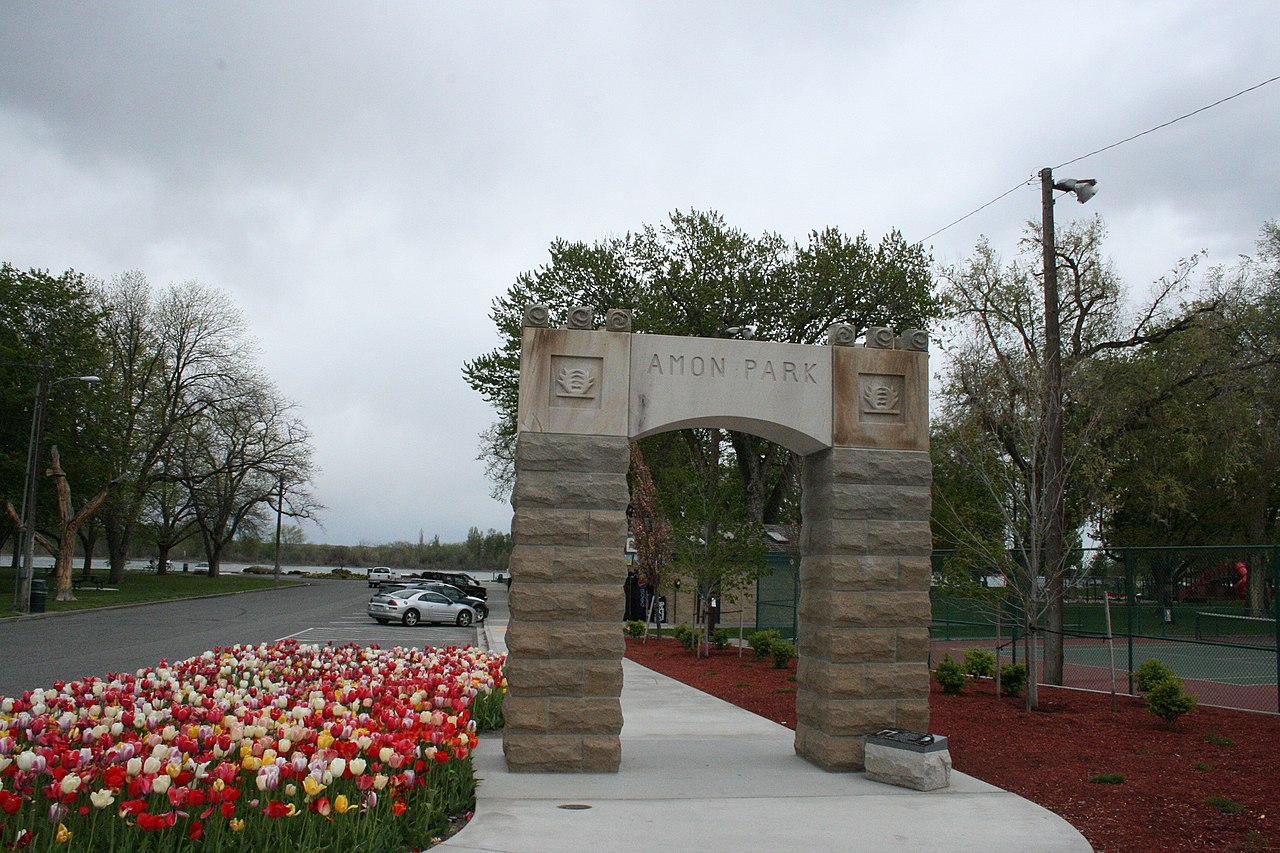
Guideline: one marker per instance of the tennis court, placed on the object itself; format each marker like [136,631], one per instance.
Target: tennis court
[1225,675]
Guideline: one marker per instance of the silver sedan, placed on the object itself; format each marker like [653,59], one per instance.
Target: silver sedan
[411,606]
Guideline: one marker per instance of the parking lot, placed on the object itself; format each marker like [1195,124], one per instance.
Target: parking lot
[51,647]
[359,628]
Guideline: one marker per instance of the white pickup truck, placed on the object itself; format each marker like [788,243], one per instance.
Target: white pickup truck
[379,575]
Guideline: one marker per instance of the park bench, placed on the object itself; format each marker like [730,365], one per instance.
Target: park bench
[78,581]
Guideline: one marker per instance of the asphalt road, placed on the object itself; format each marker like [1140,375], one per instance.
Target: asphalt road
[36,651]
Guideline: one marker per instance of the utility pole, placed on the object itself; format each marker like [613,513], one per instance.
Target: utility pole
[1051,486]
[279,513]
[22,589]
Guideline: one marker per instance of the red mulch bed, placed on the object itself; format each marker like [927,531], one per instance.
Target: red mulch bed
[1049,755]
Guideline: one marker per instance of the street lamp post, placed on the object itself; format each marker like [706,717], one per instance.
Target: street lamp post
[22,589]
[1052,486]
[279,514]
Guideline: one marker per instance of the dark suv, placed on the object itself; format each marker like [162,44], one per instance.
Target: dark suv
[462,581]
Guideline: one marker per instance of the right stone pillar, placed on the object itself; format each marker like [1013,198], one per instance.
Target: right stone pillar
[864,608]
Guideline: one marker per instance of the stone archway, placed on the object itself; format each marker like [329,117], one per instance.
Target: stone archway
[858,415]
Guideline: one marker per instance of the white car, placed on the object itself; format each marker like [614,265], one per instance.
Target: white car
[379,575]
[411,606]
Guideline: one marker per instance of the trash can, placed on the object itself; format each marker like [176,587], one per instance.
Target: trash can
[39,594]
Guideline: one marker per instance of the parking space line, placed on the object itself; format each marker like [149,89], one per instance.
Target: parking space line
[295,634]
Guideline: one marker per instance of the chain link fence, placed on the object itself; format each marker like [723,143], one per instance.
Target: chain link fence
[1209,613]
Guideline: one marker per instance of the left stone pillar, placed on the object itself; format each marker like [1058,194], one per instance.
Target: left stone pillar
[565,645]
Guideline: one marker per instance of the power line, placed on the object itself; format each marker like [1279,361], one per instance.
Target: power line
[1012,189]
[1032,179]
[1167,123]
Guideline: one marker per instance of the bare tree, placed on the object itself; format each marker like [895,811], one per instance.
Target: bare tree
[171,356]
[998,377]
[234,459]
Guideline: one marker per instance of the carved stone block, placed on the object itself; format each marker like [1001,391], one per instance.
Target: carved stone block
[582,317]
[915,340]
[841,335]
[617,320]
[879,337]
[537,316]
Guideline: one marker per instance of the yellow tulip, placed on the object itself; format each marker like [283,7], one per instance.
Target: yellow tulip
[341,804]
[235,824]
[64,834]
[311,786]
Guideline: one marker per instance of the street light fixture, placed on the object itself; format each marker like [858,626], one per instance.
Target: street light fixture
[22,589]
[1052,497]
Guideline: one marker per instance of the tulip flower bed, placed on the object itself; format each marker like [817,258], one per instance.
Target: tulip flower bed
[250,748]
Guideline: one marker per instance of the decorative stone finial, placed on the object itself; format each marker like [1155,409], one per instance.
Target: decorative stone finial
[916,340]
[618,320]
[582,317]
[841,335]
[879,337]
[537,315]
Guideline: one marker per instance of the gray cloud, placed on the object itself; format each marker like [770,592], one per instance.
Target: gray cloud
[365,180]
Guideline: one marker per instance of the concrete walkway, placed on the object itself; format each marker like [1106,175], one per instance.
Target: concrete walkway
[703,775]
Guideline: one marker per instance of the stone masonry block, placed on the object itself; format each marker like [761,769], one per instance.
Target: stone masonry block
[915,572]
[896,680]
[845,717]
[555,452]
[913,644]
[571,490]
[834,536]
[594,715]
[608,529]
[870,501]
[603,565]
[538,526]
[527,677]
[911,538]
[532,563]
[849,572]
[912,714]
[526,714]
[588,640]
[603,678]
[831,608]
[874,467]
[529,639]
[852,645]
[534,753]
[897,609]
[547,601]
[831,753]
[601,754]
[605,602]
[833,680]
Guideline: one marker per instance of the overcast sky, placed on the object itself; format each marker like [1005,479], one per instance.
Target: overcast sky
[365,178]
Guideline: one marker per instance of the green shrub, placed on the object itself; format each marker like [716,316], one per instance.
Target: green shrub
[1167,701]
[783,653]
[1226,805]
[979,663]
[685,635]
[1107,779]
[1149,673]
[1218,740]
[949,674]
[634,628]
[1013,677]
[720,638]
[761,642]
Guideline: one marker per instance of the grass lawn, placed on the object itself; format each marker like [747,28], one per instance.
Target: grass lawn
[137,587]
